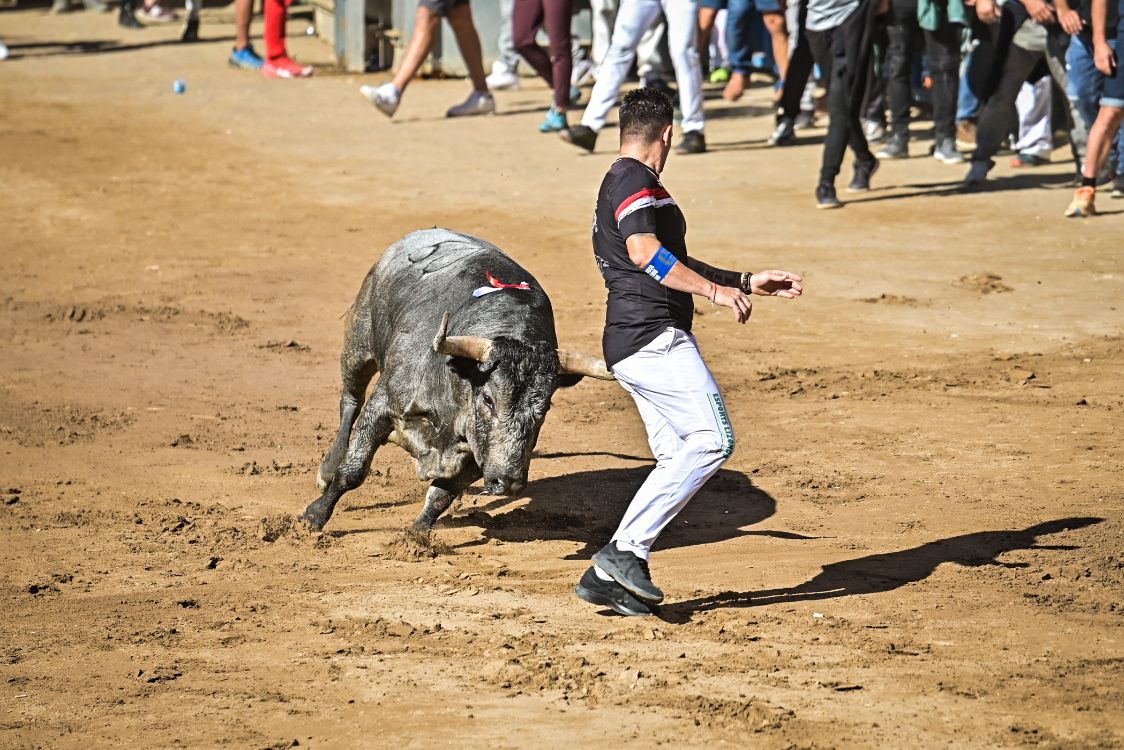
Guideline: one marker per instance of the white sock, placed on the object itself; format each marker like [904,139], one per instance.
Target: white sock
[601,574]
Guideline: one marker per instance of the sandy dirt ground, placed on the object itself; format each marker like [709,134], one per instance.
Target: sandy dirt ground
[917,543]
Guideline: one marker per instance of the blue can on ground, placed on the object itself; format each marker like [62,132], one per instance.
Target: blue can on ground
[179,86]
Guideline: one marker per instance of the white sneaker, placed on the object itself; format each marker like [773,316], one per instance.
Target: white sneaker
[977,174]
[477,103]
[583,72]
[502,77]
[385,97]
[3,51]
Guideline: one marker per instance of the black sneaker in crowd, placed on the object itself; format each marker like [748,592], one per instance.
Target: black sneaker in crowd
[693,143]
[580,136]
[897,147]
[826,197]
[784,134]
[609,594]
[864,170]
[630,571]
[126,16]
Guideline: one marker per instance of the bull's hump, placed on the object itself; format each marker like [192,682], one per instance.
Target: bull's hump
[433,251]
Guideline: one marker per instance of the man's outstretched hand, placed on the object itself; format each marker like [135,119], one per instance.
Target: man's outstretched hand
[776,284]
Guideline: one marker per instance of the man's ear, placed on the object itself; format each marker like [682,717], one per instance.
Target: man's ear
[666,134]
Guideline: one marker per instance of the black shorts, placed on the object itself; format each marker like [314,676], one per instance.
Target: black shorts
[441,7]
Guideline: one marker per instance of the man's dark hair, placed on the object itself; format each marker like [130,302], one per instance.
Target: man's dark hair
[644,112]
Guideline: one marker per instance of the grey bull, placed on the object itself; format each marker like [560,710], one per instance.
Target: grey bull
[463,340]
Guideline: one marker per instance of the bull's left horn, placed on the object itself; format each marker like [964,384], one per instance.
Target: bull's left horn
[470,347]
[576,363]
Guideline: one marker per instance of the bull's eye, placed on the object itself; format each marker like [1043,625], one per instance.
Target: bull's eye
[489,403]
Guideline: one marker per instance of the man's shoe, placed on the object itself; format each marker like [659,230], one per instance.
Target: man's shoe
[1083,203]
[555,121]
[245,58]
[1023,160]
[580,136]
[630,571]
[784,134]
[826,197]
[1118,186]
[127,17]
[864,170]
[285,67]
[720,75]
[609,594]
[977,174]
[965,135]
[896,147]
[806,119]
[945,151]
[477,103]
[693,142]
[502,77]
[874,131]
[582,73]
[385,97]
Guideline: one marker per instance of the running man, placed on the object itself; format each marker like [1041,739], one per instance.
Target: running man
[639,243]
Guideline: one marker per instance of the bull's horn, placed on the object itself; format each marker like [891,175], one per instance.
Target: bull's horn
[576,363]
[470,347]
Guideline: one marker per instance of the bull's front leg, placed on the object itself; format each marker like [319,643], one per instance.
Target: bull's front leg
[371,431]
[441,495]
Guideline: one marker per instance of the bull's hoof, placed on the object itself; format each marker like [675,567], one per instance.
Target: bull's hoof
[310,522]
[419,535]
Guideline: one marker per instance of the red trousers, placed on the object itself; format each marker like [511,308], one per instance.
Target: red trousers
[526,18]
[276,14]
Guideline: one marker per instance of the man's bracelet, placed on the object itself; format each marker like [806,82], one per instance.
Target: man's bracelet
[747,277]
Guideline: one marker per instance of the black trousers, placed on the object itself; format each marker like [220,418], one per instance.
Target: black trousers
[800,64]
[942,47]
[845,51]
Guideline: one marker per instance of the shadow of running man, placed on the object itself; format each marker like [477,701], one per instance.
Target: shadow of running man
[875,574]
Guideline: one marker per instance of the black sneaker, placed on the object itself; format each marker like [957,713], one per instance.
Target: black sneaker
[897,147]
[864,170]
[609,594]
[693,143]
[630,571]
[826,197]
[126,17]
[580,136]
[784,134]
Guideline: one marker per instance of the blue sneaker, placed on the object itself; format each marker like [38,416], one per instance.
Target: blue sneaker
[555,122]
[245,58]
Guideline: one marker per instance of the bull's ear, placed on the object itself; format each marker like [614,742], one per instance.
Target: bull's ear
[568,380]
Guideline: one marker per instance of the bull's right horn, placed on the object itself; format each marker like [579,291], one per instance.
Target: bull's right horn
[470,347]
[576,363]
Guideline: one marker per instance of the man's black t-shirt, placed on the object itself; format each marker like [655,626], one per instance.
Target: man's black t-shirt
[632,201]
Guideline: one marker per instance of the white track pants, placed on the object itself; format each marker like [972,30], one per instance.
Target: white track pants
[1034,102]
[634,18]
[688,428]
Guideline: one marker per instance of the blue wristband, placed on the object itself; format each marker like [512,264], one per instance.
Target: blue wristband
[661,264]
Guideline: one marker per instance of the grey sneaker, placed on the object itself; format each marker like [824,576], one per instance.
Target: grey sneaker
[1118,186]
[874,131]
[897,147]
[629,571]
[609,594]
[385,97]
[477,103]
[693,143]
[945,151]
[977,174]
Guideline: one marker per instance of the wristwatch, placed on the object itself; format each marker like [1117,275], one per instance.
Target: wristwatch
[744,284]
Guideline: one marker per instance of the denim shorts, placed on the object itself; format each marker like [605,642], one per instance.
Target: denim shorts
[1112,95]
[713,4]
[441,7]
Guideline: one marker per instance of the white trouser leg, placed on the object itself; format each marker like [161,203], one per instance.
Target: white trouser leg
[682,40]
[649,54]
[634,17]
[719,49]
[604,13]
[689,432]
[1034,101]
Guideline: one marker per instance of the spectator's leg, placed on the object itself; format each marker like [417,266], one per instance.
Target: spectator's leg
[557,18]
[681,29]
[426,25]
[1034,102]
[460,18]
[526,19]
[995,117]
[943,48]
[899,61]
[774,22]
[633,19]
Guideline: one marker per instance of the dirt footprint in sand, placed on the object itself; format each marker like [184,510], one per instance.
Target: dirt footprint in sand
[412,546]
[985,283]
[284,526]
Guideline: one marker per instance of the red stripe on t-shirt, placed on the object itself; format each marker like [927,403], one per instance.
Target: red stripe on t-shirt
[657,193]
